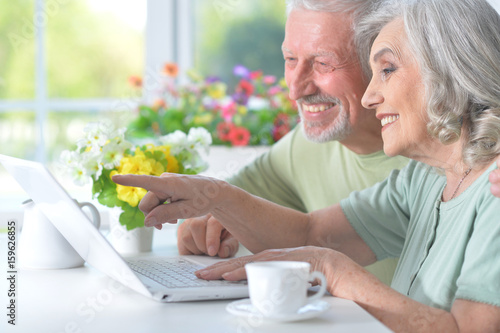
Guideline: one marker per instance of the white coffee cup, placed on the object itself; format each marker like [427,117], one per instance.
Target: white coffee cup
[280,287]
[42,246]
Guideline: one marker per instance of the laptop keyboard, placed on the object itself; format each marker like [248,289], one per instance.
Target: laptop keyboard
[174,273]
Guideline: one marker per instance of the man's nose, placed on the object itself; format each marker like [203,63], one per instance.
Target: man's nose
[301,82]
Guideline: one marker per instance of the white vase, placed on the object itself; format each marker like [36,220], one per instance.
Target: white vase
[225,161]
[128,242]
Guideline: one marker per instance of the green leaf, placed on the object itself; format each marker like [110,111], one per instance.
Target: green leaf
[105,189]
[131,217]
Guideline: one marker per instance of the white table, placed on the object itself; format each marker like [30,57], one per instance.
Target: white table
[85,300]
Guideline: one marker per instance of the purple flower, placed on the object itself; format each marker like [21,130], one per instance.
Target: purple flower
[241,71]
[212,79]
[240,97]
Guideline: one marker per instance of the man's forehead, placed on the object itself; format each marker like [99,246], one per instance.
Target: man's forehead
[330,51]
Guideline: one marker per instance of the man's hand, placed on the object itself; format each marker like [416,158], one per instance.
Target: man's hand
[205,235]
[495,180]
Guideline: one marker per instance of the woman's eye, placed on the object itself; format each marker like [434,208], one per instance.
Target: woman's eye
[387,71]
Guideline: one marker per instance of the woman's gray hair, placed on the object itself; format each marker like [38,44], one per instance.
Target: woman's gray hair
[457,46]
[358,9]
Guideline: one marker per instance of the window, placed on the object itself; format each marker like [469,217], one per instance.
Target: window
[232,32]
[64,63]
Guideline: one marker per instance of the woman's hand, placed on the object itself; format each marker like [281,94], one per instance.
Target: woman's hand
[173,196]
[331,263]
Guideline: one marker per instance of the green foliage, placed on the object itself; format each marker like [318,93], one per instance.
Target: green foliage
[131,217]
[105,190]
[249,32]
[89,54]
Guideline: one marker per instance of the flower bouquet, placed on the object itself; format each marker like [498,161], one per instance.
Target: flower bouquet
[104,152]
[256,111]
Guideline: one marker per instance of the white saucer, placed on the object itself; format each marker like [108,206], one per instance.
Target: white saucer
[244,308]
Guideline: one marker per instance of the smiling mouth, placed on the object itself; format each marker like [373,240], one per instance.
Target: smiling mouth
[389,120]
[317,108]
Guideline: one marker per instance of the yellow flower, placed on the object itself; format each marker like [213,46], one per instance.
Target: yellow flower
[282,83]
[173,164]
[203,119]
[217,90]
[242,109]
[131,195]
[156,168]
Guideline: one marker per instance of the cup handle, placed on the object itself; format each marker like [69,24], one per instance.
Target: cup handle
[317,275]
[96,218]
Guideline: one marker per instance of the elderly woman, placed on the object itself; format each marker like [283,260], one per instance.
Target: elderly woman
[436,91]
[495,180]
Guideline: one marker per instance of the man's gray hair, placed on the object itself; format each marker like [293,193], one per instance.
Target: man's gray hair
[457,46]
[358,9]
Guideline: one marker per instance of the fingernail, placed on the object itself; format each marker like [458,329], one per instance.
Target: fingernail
[224,252]
[202,273]
[211,250]
[151,221]
[227,275]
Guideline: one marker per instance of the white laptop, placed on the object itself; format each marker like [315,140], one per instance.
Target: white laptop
[154,277]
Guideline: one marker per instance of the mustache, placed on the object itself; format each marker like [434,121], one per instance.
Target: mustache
[318,99]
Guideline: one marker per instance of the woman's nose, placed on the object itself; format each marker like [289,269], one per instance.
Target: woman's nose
[372,97]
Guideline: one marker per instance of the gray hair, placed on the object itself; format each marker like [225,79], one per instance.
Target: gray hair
[457,46]
[358,9]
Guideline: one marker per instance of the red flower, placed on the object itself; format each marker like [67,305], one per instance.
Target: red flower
[171,69]
[239,136]
[281,119]
[279,131]
[281,126]
[135,81]
[246,87]
[255,75]
[224,130]
[158,104]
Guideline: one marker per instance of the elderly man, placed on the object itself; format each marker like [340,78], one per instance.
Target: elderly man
[337,148]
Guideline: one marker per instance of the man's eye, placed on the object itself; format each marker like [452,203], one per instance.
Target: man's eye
[324,67]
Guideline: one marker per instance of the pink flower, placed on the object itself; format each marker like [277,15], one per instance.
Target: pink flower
[228,111]
[274,90]
[269,79]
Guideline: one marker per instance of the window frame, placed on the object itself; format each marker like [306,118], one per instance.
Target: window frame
[168,23]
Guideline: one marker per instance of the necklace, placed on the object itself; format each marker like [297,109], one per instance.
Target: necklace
[458,186]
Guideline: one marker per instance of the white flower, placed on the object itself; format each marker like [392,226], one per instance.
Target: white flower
[92,164]
[200,137]
[79,174]
[112,153]
[177,141]
[69,159]
[194,162]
